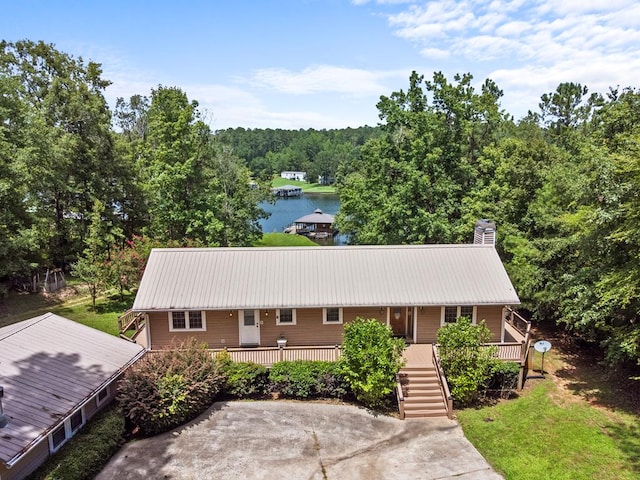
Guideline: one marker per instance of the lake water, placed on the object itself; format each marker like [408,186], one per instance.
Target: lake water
[286,210]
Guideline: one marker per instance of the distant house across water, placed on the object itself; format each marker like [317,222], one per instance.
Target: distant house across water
[290,175]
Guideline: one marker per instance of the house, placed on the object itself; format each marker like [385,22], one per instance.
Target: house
[56,374]
[303,296]
[291,175]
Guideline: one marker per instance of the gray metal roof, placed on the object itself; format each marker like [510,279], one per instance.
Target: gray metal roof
[316,217]
[49,366]
[298,277]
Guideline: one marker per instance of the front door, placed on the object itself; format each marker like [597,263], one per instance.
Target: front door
[249,327]
[398,321]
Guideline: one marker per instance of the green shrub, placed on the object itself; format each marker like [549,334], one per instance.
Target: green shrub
[246,379]
[466,362]
[308,379]
[503,375]
[82,457]
[168,388]
[330,381]
[294,379]
[371,358]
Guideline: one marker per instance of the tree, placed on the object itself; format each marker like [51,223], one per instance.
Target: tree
[63,150]
[466,360]
[409,183]
[194,188]
[93,268]
[371,358]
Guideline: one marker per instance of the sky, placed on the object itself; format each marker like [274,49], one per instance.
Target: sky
[324,64]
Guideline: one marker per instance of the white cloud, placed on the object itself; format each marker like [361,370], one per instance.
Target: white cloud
[320,79]
[528,47]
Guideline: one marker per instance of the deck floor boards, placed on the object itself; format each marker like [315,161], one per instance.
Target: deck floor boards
[419,355]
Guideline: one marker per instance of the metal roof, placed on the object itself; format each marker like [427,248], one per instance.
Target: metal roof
[298,277]
[316,217]
[49,366]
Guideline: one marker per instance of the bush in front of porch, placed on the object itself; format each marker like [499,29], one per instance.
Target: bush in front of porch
[467,361]
[308,379]
[168,388]
[371,359]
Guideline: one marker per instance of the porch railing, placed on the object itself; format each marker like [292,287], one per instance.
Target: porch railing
[131,320]
[400,397]
[442,380]
[269,355]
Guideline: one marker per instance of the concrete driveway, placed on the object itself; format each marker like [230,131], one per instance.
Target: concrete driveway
[301,440]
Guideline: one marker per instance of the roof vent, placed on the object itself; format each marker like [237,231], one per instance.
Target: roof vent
[485,232]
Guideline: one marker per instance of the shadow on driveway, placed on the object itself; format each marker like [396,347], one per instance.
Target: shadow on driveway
[300,440]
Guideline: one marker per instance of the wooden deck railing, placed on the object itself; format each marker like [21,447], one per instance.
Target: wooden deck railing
[269,355]
[400,397]
[444,386]
[509,352]
[523,326]
[131,320]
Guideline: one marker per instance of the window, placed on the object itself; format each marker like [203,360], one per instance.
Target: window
[58,437]
[285,316]
[64,432]
[102,396]
[187,320]
[76,421]
[331,315]
[451,314]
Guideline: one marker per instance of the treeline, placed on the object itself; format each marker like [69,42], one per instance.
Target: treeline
[78,180]
[320,153]
[79,183]
[562,185]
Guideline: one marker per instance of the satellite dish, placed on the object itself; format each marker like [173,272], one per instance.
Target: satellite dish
[542,346]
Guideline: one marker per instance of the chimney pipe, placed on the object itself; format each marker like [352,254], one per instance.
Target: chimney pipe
[484,232]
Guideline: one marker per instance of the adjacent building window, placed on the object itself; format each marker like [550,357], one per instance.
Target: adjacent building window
[64,432]
[331,315]
[286,316]
[102,396]
[187,320]
[451,314]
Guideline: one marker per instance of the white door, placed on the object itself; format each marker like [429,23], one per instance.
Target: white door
[250,327]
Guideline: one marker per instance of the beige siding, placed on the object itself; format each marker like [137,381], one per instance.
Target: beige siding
[308,330]
[222,330]
[350,314]
[492,314]
[27,464]
[428,324]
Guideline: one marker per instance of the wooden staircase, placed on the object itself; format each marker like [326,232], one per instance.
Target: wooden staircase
[422,395]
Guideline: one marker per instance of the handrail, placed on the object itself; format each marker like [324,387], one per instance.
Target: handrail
[446,394]
[518,322]
[400,397]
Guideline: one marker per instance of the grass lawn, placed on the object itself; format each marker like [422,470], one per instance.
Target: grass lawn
[284,240]
[574,424]
[73,304]
[306,187]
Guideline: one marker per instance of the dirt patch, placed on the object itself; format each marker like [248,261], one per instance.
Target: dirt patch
[577,369]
